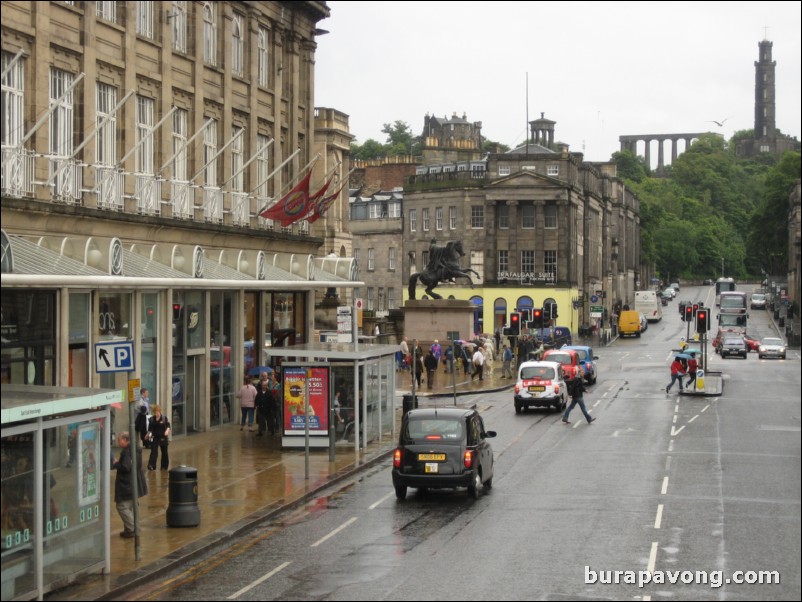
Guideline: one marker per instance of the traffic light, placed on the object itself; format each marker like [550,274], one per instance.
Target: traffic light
[537,318]
[177,313]
[681,306]
[515,323]
[689,313]
[526,314]
[553,310]
[695,308]
[702,320]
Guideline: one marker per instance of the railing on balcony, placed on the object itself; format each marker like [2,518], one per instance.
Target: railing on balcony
[65,179]
[109,188]
[148,194]
[240,208]
[213,204]
[17,170]
[183,199]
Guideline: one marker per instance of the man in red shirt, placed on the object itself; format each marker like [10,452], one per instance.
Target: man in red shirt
[677,372]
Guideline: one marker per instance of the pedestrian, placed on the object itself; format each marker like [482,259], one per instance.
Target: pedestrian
[417,358]
[497,337]
[478,363]
[576,389]
[274,416]
[124,485]
[437,350]
[489,354]
[405,358]
[676,374]
[430,363]
[247,402]
[448,360]
[144,399]
[159,430]
[506,358]
[141,426]
[693,366]
[263,404]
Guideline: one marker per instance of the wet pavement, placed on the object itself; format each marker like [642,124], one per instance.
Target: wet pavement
[242,480]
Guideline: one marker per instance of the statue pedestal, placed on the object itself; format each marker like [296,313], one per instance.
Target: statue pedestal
[430,319]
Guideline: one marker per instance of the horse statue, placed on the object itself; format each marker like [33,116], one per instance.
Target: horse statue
[443,266]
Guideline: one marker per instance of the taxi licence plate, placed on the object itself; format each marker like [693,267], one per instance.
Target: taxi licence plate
[537,388]
[431,457]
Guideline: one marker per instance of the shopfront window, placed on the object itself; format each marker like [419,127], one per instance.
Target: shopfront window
[150,319]
[79,332]
[29,337]
[223,377]
[114,321]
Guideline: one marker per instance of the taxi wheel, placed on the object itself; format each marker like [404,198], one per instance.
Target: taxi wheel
[518,409]
[401,492]
[473,488]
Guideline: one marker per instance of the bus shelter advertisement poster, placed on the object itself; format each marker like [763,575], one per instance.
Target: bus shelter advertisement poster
[295,380]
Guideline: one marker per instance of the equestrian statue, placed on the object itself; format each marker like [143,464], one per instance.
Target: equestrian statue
[443,266]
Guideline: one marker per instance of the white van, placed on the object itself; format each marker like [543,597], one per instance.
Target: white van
[648,304]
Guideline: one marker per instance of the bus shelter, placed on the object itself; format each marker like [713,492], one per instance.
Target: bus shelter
[361,378]
[55,450]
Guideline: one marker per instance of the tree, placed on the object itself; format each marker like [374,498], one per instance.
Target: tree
[371,149]
[400,140]
[630,167]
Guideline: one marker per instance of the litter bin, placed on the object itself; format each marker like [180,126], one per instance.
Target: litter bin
[409,402]
[183,509]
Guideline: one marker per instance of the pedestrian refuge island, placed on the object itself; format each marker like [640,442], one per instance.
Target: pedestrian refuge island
[360,377]
[56,451]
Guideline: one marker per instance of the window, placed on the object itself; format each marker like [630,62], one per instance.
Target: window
[264,72]
[371,260]
[553,170]
[237,160]
[764,148]
[209,34]
[452,218]
[209,151]
[237,60]
[527,215]
[550,264]
[412,265]
[106,11]
[503,261]
[144,135]
[394,209]
[356,256]
[478,262]
[371,298]
[527,261]
[477,216]
[551,216]
[425,258]
[374,210]
[178,19]
[503,170]
[144,19]
[425,216]
[262,166]
[381,306]
[413,220]
[61,126]
[438,218]
[503,213]
[180,145]
[391,261]
[13,101]
[391,302]
[106,142]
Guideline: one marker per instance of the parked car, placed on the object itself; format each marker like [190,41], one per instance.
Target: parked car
[757,301]
[629,323]
[644,323]
[443,448]
[541,385]
[733,345]
[771,347]
[569,360]
[586,360]
[675,286]
[554,337]
[669,293]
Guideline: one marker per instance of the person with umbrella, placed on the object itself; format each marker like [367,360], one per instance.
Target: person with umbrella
[693,365]
[677,372]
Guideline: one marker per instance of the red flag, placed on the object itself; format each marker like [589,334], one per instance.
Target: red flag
[316,198]
[322,205]
[292,206]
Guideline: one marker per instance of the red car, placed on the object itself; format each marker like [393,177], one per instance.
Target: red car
[569,359]
[752,344]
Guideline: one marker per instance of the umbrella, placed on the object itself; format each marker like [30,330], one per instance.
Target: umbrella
[683,356]
[257,370]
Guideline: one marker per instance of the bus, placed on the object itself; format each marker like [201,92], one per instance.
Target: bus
[649,304]
[724,285]
[732,302]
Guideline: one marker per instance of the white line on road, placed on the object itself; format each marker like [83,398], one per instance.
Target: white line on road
[704,409]
[280,567]
[652,557]
[671,445]
[675,419]
[658,520]
[375,504]
[664,489]
[694,418]
[597,403]
[333,533]
[675,432]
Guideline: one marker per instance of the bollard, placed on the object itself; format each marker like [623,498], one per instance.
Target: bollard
[408,402]
[700,380]
[183,510]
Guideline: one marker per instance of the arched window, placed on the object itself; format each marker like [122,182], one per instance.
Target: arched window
[237,62]
[499,313]
[478,317]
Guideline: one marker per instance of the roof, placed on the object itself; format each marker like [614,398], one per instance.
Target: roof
[534,149]
[440,412]
[26,402]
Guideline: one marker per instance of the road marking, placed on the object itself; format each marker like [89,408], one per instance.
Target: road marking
[704,409]
[671,445]
[694,418]
[675,432]
[333,533]
[664,489]
[597,403]
[668,463]
[658,520]
[280,567]
[652,557]
[675,419]
[375,504]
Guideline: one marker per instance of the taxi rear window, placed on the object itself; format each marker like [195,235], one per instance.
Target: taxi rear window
[537,372]
[436,430]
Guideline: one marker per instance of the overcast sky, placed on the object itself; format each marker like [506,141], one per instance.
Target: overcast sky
[600,69]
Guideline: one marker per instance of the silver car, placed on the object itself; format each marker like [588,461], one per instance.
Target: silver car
[771,347]
[734,345]
[757,301]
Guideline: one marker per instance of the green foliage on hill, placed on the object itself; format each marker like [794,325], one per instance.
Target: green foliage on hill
[714,205]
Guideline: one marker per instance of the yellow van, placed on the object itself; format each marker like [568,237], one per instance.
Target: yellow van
[629,323]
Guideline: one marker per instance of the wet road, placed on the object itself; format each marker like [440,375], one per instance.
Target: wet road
[690,488]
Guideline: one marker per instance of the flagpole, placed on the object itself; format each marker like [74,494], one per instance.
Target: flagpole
[272,173]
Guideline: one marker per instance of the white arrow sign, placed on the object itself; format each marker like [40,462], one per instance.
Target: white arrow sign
[114,356]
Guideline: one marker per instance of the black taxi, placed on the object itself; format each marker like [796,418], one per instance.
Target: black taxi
[443,448]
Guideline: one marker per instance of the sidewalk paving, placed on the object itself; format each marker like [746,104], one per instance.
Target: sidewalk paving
[243,480]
